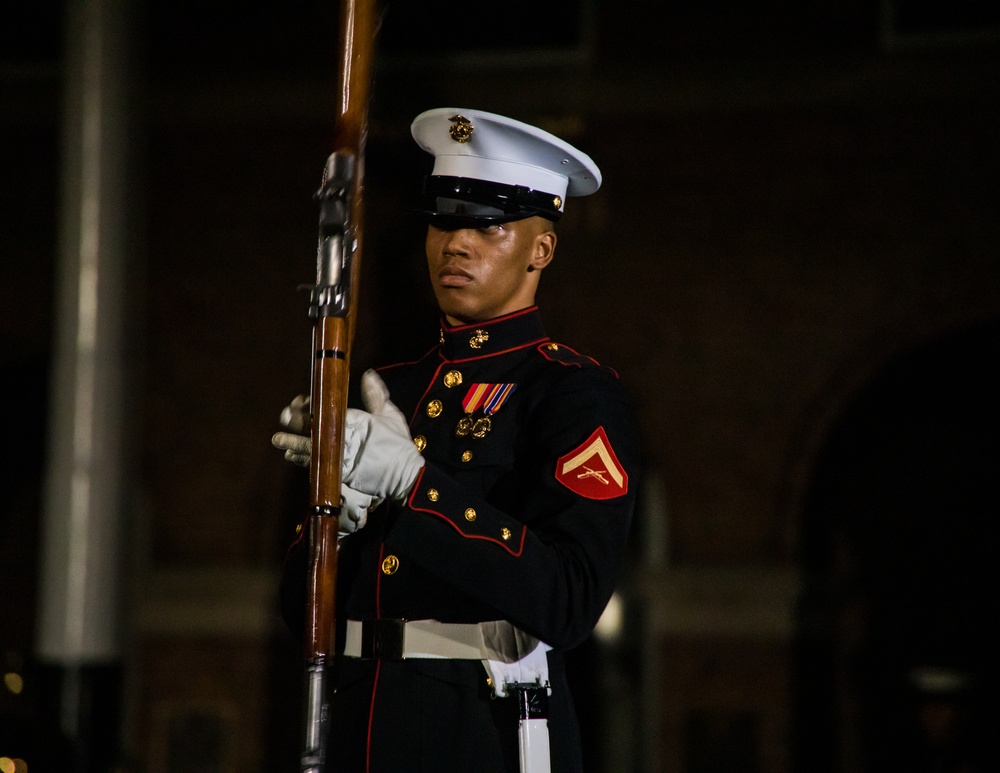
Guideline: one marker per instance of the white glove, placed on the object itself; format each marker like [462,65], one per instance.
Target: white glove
[297,415]
[379,461]
[296,444]
[354,509]
[354,505]
[379,456]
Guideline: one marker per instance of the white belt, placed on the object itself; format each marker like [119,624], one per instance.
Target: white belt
[401,639]
[509,654]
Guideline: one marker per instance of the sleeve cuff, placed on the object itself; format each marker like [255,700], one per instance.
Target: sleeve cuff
[435,494]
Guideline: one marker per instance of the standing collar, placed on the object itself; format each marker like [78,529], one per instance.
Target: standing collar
[494,336]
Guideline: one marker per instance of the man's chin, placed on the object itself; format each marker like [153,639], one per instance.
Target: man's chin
[449,301]
[458,319]
[459,315]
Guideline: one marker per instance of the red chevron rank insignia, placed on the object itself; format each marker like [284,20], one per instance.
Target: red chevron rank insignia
[592,470]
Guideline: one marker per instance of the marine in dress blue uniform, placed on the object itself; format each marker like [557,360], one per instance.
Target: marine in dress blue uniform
[523,456]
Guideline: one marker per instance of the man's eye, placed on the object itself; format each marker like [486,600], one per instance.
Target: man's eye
[493,228]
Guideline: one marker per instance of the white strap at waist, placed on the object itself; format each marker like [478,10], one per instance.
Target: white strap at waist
[399,639]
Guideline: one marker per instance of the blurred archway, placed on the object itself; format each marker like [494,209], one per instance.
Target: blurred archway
[895,620]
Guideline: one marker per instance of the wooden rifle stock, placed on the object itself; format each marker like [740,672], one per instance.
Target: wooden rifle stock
[332,308]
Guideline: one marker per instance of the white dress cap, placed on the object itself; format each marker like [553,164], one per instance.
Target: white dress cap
[477,145]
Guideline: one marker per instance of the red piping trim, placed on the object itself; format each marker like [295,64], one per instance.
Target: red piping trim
[416,487]
[427,389]
[382,368]
[500,543]
[299,536]
[544,353]
[536,342]
[485,322]
[371,718]
[378,665]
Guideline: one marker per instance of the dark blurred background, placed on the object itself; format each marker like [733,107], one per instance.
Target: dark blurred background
[793,264]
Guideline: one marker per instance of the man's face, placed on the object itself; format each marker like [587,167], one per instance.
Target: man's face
[481,273]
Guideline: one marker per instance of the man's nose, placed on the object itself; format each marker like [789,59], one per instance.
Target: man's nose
[457,241]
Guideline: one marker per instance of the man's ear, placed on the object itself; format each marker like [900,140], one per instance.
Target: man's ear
[545,250]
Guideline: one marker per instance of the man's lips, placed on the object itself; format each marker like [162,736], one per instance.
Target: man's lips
[449,276]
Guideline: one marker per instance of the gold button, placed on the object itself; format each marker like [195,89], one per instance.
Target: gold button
[505,533]
[466,456]
[452,378]
[470,515]
[420,442]
[390,564]
[553,347]
[298,529]
[434,408]
[433,495]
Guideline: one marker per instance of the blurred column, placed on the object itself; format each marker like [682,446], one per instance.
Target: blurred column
[78,637]
[656,564]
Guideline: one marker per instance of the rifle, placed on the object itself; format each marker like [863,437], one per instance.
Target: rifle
[338,259]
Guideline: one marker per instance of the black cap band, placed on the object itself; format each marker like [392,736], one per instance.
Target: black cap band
[485,201]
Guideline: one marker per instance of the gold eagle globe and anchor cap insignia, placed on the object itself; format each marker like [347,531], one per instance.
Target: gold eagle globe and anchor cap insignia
[461,128]
[492,169]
